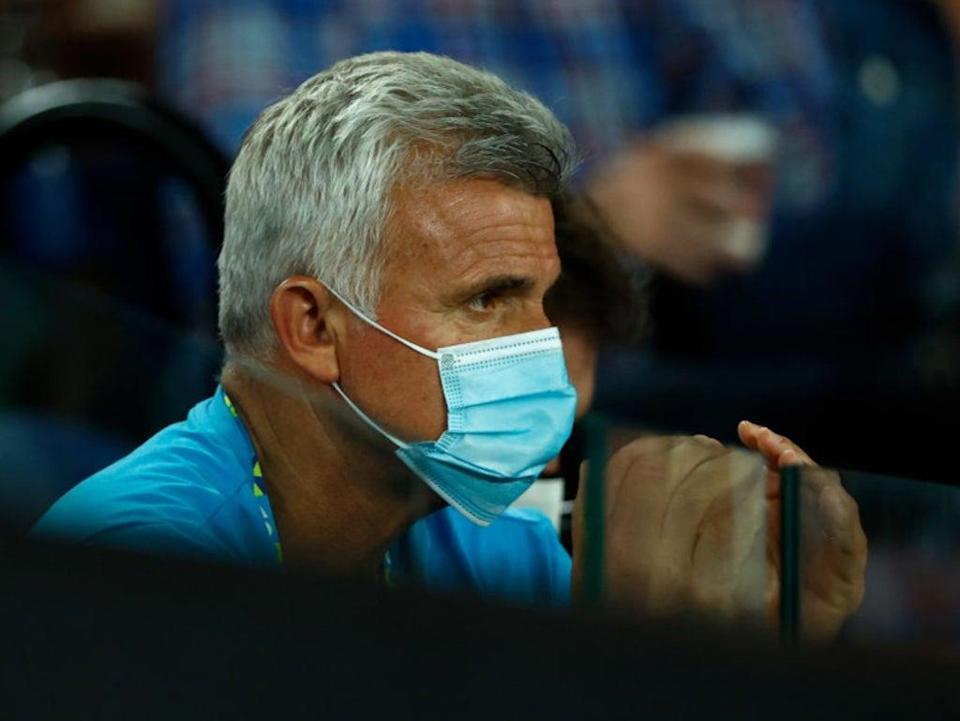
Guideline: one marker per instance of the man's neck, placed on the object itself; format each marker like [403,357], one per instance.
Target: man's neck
[340,497]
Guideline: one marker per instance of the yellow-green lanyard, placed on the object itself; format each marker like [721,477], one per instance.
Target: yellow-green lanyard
[259,497]
[266,512]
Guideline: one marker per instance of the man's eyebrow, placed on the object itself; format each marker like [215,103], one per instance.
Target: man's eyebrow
[499,284]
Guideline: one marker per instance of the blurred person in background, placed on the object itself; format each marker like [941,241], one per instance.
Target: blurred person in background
[348,257]
[860,272]
[817,311]
[46,40]
[599,301]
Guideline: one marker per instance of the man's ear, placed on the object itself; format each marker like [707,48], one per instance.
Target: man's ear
[305,320]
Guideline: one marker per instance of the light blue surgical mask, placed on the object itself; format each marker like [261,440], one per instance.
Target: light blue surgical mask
[510,408]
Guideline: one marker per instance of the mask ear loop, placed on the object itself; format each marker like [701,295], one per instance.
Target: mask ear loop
[369,421]
[409,344]
[412,346]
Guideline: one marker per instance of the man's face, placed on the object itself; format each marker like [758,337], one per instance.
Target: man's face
[467,259]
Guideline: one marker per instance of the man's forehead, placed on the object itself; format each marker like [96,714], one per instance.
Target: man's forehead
[465,226]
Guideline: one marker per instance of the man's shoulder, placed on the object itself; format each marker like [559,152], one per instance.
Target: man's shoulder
[518,557]
[525,518]
[176,468]
[524,534]
[173,484]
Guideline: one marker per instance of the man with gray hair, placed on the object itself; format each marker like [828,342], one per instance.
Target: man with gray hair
[393,383]
[388,245]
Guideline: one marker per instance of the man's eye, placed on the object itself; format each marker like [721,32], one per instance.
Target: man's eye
[482,301]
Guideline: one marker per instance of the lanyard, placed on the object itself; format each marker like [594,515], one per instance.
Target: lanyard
[256,489]
[390,569]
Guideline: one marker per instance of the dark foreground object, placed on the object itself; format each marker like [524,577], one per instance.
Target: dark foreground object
[89,635]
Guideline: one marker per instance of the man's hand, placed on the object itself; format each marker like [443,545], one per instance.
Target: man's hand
[685,529]
[694,526]
[834,546]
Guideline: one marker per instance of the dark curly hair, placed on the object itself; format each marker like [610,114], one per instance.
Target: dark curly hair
[602,288]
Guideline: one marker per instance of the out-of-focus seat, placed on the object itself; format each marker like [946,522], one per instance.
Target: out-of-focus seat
[111,215]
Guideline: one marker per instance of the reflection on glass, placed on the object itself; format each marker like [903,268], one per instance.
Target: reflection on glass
[684,528]
[683,525]
[912,587]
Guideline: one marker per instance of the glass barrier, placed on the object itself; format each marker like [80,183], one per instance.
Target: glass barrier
[661,525]
[87,378]
[818,555]
[675,525]
[910,545]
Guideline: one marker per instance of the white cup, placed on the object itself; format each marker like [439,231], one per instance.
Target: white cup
[741,140]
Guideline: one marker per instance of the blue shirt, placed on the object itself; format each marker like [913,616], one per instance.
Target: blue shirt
[194,490]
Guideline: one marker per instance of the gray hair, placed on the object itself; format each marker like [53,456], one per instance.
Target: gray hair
[309,191]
